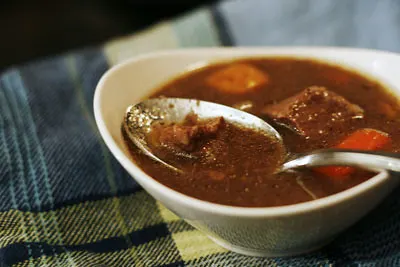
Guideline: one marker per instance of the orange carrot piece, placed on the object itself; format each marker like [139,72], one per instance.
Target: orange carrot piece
[363,139]
[366,139]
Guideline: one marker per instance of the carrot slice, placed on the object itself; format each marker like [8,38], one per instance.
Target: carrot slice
[363,139]
[238,78]
[366,139]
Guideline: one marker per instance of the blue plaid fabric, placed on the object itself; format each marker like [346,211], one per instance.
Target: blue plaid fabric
[65,201]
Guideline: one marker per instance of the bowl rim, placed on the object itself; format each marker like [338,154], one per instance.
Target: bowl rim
[209,207]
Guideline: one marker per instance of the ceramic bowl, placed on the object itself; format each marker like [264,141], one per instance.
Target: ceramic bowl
[275,231]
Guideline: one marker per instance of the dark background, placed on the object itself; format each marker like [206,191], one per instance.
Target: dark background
[40,28]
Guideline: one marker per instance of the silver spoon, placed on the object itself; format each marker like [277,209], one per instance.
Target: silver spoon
[367,160]
[139,118]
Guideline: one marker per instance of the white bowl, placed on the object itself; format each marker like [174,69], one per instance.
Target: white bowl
[276,231]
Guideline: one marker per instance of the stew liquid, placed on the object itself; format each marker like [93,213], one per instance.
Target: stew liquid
[312,104]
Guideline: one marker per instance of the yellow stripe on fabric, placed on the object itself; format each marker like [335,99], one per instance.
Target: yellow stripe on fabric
[158,37]
[166,214]
[82,223]
[11,107]
[155,253]
[23,232]
[196,29]
[109,175]
[11,231]
[194,244]
[85,259]
[81,258]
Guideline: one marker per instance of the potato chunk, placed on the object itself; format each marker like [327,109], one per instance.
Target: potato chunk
[238,78]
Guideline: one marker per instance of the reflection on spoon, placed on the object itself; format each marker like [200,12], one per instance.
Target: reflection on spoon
[139,118]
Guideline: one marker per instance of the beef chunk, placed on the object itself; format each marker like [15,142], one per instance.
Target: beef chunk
[177,135]
[314,111]
[184,137]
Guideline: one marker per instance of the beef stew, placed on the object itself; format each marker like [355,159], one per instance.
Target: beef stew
[312,104]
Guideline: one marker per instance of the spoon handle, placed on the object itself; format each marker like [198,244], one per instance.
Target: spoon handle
[369,160]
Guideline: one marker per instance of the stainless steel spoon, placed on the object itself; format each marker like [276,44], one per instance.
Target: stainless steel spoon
[367,160]
[139,118]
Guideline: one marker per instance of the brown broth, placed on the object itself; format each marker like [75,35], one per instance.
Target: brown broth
[287,76]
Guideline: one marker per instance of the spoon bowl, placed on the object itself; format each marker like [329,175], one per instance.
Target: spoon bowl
[139,118]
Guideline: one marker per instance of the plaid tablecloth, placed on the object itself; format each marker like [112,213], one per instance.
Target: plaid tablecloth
[64,200]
